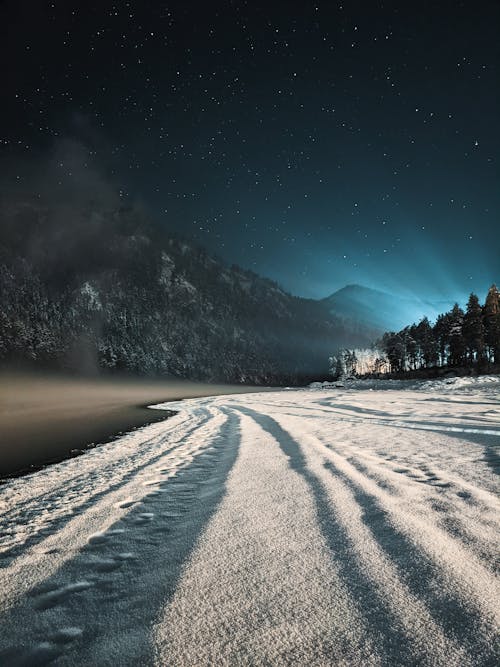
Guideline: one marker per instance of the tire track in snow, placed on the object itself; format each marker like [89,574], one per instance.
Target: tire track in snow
[272,595]
[124,574]
[403,625]
[475,525]
[343,412]
[478,520]
[76,494]
[36,564]
[461,592]
[71,475]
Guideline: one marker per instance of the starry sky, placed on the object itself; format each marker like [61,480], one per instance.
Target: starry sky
[317,143]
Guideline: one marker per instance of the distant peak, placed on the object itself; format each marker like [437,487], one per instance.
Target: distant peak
[354,289]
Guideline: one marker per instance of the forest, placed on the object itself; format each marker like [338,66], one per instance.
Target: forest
[458,338]
[92,290]
[466,341]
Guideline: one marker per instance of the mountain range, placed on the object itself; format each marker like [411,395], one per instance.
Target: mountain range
[89,291]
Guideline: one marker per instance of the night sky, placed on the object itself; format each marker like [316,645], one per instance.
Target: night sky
[319,144]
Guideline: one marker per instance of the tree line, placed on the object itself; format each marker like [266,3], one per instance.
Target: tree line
[459,338]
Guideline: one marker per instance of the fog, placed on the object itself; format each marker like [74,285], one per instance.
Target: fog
[46,418]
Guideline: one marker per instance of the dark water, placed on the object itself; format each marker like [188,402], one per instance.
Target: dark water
[45,419]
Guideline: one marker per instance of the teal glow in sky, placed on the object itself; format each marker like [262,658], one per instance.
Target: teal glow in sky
[319,144]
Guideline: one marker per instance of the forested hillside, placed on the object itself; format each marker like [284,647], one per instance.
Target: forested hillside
[106,290]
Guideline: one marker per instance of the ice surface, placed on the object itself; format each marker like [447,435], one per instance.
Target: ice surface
[334,525]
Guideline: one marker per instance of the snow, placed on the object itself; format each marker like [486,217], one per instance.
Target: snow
[447,384]
[344,525]
[92,295]
[167,268]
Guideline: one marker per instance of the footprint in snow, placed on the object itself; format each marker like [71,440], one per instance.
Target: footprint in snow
[97,538]
[143,517]
[66,635]
[126,555]
[128,502]
[107,565]
[42,653]
[152,482]
[55,597]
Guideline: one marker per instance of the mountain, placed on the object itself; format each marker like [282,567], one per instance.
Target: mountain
[91,290]
[380,311]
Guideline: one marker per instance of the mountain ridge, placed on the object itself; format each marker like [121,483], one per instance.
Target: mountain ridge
[110,292]
[380,310]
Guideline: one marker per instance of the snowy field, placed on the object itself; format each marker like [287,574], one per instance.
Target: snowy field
[327,526]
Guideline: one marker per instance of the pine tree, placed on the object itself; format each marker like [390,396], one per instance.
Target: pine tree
[441,332]
[394,348]
[491,319]
[427,343]
[412,351]
[457,346]
[473,331]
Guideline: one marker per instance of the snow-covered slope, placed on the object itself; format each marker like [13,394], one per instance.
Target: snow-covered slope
[112,294]
[339,526]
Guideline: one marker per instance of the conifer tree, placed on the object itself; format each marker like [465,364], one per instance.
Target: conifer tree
[412,352]
[427,343]
[394,348]
[457,346]
[473,331]
[491,319]
[441,332]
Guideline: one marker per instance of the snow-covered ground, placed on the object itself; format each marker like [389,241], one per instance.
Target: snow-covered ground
[328,526]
